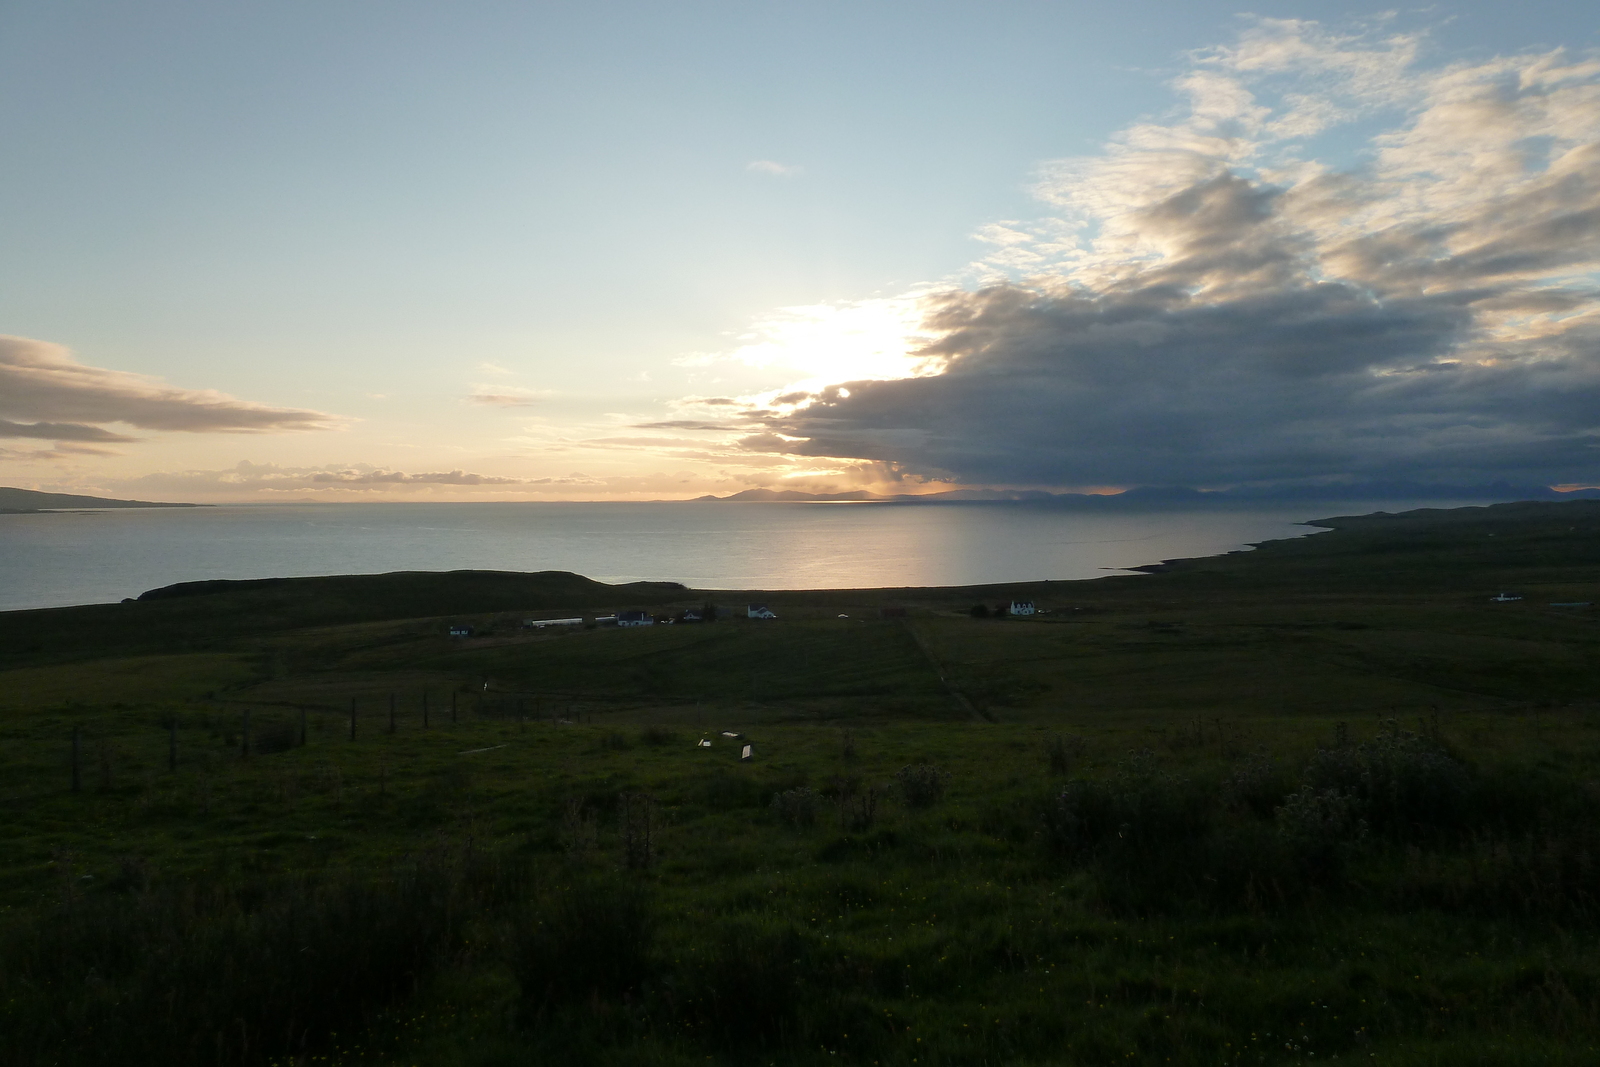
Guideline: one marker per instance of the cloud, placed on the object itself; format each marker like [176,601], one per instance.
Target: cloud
[60,431]
[42,382]
[776,170]
[507,396]
[1213,304]
[270,477]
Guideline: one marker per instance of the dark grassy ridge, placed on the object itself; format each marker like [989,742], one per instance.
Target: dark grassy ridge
[214,614]
[1220,813]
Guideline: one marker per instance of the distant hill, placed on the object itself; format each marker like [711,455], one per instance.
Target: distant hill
[1159,496]
[14,501]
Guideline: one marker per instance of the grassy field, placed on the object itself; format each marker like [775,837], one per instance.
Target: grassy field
[1324,799]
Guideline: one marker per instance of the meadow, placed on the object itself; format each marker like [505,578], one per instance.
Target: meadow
[1325,799]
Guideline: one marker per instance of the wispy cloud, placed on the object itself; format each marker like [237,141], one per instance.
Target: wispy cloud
[65,400]
[60,431]
[507,396]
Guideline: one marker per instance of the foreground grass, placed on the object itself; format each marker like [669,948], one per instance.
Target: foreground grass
[393,900]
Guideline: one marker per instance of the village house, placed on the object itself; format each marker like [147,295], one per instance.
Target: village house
[1023,607]
[635,618]
[759,611]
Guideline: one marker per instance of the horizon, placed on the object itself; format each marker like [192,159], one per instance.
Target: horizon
[271,254]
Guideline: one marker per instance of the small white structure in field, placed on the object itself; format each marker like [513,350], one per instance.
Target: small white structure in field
[703,743]
[539,624]
[635,618]
[458,629]
[1503,598]
[730,733]
[744,753]
[1023,607]
[759,611]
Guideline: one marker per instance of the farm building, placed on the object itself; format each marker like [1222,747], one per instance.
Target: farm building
[1023,607]
[759,611]
[635,618]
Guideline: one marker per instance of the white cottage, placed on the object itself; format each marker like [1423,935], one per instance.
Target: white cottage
[1023,607]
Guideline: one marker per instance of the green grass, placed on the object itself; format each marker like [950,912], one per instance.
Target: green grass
[1319,800]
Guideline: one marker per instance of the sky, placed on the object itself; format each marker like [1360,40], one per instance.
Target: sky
[344,250]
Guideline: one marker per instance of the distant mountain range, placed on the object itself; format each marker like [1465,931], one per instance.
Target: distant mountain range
[21,501]
[1177,496]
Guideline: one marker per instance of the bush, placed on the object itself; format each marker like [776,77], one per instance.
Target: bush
[1403,783]
[1063,752]
[1256,785]
[658,735]
[921,785]
[238,975]
[587,942]
[797,807]
[1139,807]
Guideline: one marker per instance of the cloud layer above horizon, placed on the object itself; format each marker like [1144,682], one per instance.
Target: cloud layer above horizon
[1212,305]
[66,401]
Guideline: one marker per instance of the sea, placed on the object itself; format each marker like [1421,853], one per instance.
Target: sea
[90,557]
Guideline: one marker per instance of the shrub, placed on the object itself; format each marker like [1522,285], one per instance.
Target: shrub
[658,735]
[1255,785]
[1139,807]
[243,974]
[921,784]
[1062,752]
[1402,782]
[797,807]
[586,942]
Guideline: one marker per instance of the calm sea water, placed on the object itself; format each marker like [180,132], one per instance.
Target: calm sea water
[83,558]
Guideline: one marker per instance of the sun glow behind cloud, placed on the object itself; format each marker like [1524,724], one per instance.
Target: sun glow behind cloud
[816,345]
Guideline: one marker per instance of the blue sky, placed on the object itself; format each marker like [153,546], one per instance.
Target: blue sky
[585,216]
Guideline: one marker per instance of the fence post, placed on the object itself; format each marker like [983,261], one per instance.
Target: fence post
[77,752]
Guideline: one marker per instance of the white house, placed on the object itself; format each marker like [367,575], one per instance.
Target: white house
[539,624]
[635,618]
[1023,607]
[759,611]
